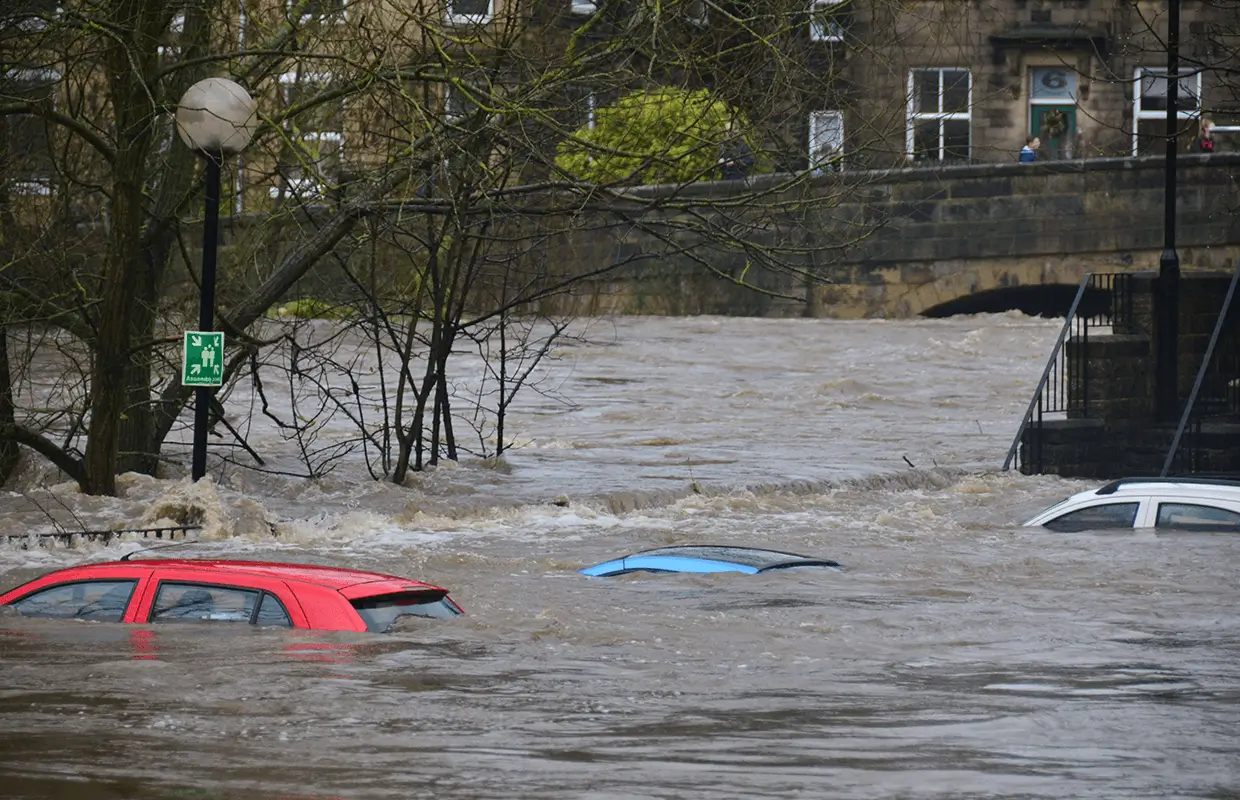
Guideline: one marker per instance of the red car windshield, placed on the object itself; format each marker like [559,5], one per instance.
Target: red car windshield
[381,611]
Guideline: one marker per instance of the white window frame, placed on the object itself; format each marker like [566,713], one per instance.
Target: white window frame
[1139,114]
[701,18]
[449,91]
[176,27]
[591,106]
[336,16]
[238,186]
[31,188]
[42,187]
[913,117]
[470,19]
[583,6]
[310,187]
[33,23]
[36,74]
[817,127]
[821,30]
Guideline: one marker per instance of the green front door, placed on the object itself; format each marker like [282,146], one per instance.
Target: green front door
[1056,127]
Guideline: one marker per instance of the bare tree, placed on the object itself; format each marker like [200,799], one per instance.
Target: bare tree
[406,167]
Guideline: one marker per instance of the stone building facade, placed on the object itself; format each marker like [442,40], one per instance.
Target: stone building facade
[876,83]
[969,81]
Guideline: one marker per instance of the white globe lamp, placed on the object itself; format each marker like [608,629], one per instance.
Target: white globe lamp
[216,115]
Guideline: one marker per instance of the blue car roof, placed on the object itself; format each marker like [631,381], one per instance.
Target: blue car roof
[706,558]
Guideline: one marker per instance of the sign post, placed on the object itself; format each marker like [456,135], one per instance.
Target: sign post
[203,360]
[202,365]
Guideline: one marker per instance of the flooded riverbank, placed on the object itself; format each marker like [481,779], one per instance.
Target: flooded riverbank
[956,655]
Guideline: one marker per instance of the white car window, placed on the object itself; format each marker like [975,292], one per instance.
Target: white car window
[1107,515]
[1193,516]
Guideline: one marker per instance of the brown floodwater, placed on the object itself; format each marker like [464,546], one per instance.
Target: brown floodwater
[958,654]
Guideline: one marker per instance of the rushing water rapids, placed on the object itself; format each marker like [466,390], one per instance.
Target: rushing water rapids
[957,656]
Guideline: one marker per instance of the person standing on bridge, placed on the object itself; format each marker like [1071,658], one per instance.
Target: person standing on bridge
[1205,143]
[1029,153]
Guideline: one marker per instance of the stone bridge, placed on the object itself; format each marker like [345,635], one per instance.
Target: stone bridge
[929,242]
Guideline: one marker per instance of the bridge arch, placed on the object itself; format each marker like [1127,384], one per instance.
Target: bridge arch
[1035,287]
[1043,300]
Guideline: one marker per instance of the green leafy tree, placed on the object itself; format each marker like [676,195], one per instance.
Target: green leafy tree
[665,135]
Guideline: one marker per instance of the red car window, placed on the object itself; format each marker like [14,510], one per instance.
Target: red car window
[381,611]
[196,602]
[271,613]
[104,601]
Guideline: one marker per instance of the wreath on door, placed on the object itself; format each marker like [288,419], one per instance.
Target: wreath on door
[1054,124]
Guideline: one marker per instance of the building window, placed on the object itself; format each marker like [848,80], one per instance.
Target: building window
[939,103]
[33,16]
[308,11]
[470,11]
[1149,104]
[457,104]
[1052,85]
[824,20]
[31,169]
[696,12]
[583,6]
[312,154]
[239,186]
[826,140]
[170,50]
[582,108]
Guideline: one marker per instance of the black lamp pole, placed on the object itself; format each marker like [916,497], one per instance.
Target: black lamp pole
[206,306]
[1166,376]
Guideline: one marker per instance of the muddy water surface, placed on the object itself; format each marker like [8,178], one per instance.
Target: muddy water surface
[958,655]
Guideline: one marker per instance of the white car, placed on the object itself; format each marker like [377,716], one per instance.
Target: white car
[1194,504]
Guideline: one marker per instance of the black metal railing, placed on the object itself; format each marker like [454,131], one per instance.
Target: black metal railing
[1101,300]
[26,541]
[1215,393]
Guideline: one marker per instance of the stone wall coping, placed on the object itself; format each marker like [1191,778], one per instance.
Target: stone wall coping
[781,180]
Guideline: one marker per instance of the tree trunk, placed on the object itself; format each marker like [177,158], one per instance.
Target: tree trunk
[9,454]
[138,446]
[127,59]
[108,386]
[8,447]
[137,451]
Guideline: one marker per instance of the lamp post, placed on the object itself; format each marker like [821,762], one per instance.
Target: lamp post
[1166,374]
[216,117]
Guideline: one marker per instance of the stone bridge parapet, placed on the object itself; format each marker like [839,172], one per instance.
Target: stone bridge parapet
[900,243]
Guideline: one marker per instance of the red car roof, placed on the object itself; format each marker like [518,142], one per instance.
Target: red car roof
[329,577]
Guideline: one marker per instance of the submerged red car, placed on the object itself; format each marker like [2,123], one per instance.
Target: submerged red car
[253,592]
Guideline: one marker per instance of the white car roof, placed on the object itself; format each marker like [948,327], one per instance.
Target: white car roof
[1181,488]
[1191,487]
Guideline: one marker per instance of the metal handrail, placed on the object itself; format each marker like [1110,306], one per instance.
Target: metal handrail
[25,540]
[1201,373]
[1050,364]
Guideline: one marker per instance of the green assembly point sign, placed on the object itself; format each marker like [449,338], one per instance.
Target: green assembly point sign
[203,363]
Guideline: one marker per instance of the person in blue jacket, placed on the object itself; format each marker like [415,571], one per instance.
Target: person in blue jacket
[1029,153]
